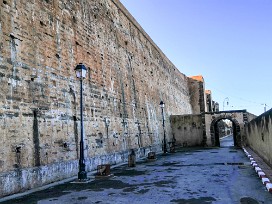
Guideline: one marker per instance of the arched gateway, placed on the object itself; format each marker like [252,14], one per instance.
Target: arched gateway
[201,129]
[215,134]
[238,118]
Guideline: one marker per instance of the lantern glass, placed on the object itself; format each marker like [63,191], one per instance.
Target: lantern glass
[162,104]
[81,71]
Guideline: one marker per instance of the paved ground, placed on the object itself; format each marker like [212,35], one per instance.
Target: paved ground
[190,176]
[227,141]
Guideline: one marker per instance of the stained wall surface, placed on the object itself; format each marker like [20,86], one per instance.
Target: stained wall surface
[259,135]
[41,42]
[187,130]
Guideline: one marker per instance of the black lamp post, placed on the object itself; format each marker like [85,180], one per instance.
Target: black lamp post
[164,139]
[81,72]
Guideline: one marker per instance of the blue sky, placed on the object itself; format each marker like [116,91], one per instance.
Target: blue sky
[229,42]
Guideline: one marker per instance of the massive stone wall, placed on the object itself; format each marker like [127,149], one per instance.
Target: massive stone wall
[40,44]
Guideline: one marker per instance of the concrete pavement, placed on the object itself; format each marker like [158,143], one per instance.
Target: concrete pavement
[191,176]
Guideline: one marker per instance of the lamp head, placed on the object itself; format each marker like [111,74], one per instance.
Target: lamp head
[162,104]
[81,71]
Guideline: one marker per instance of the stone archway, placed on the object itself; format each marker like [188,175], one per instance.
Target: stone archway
[236,131]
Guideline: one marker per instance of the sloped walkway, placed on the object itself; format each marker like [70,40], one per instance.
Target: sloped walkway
[191,176]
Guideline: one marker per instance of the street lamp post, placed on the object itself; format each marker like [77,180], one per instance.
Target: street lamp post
[81,74]
[226,99]
[164,139]
[264,104]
